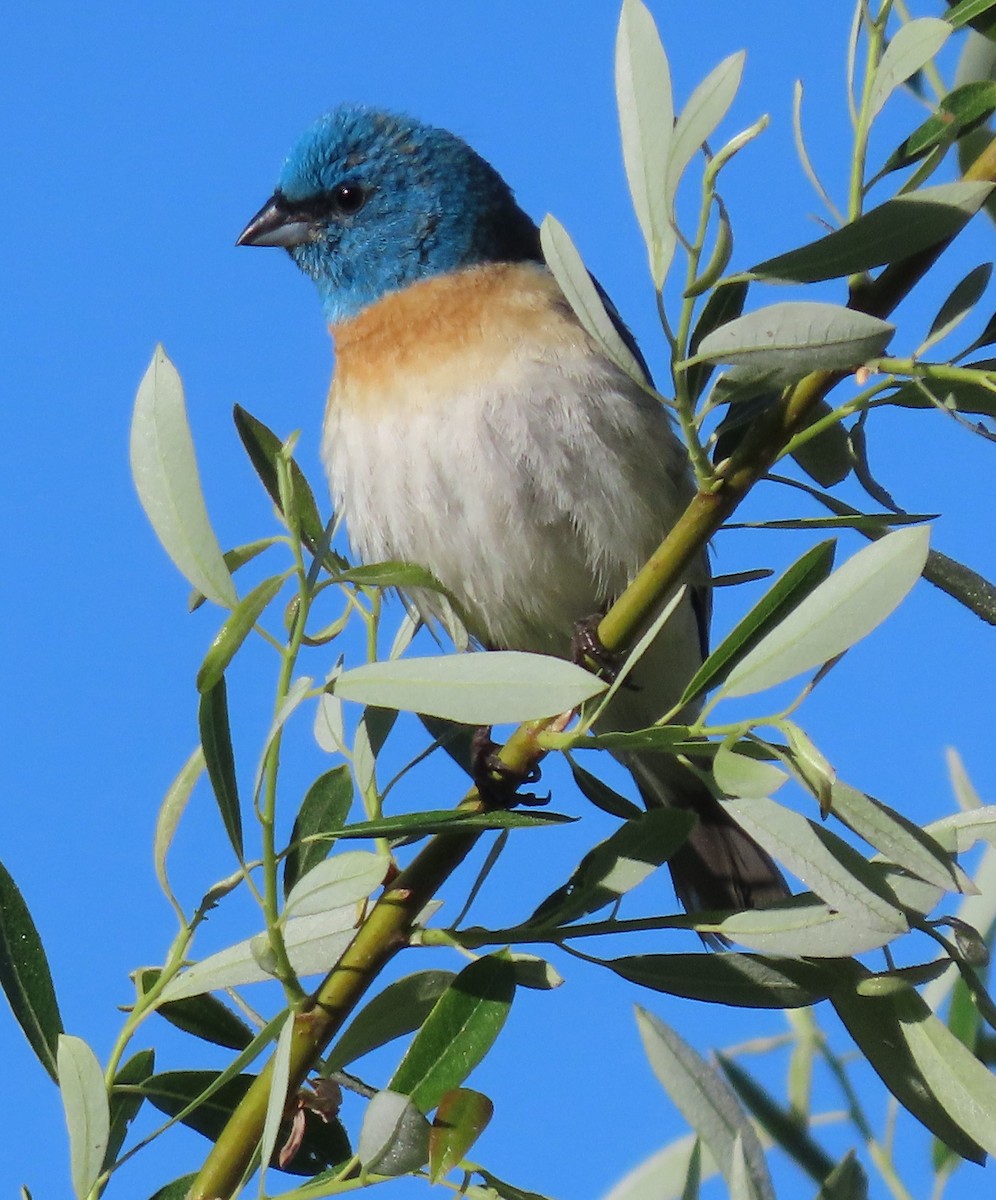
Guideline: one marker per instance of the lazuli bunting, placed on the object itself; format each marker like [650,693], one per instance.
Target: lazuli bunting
[476,429]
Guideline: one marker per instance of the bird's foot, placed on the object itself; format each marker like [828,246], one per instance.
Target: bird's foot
[588,651]
[496,781]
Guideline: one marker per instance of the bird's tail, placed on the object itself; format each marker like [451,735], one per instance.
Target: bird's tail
[719,866]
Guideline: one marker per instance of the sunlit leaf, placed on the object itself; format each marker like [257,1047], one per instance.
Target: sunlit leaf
[236,629]
[164,468]
[913,46]
[797,337]
[394,1138]
[462,1116]
[959,303]
[477,689]
[170,811]
[322,814]
[697,121]
[203,1016]
[336,882]
[458,1032]
[744,776]
[84,1098]
[279,1083]
[401,1007]
[839,612]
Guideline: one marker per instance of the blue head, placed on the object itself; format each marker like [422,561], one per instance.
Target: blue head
[369,202]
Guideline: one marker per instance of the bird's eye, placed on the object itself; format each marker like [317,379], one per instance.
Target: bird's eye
[348,198]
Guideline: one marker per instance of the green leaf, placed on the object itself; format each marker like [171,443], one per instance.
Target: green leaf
[443,820]
[967,12]
[961,300]
[780,1124]
[461,1118]
[400,1008]
[617,865]
[704,1099]
[834,871]
[838,613]
[219,758]
[576,283]
[646,121]
[744,776]
[889,233]
[707,106]
[781,598]
[124,1106]
[345,878]
[847,1181]
[323,811]
[394,1138]
[960,110]
[495,688]
[170,811]
[205,1017]
[899,839]
[802,925]
[324,1145]
[84,1098]
[884,1027]
[237,627]
[914,45]
[507,1191]
[264,447]
[314,945]
[827,457]
[235,558]
[604,797]
[740,980]
[725,303]
[164,468]
[794,338]
[179,1189]
[402,575]
[458,1032]
[25,975]
[279,1084]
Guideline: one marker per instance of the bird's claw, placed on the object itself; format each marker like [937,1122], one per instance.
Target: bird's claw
[495,780]
[588,651]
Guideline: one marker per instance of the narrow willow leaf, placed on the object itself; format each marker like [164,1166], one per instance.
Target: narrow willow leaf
[958,111]
[279,1083]
[177,1189]
[967,11]
[889,233]
[235,558]
[964,790]
[264,447]
[180,1094]
[204,1017]
[957,396]
[329,728]
[336,882]
[885,1028]
[725,303]
[314,944]
[847,1181]
[477,689]
[740,980]
[443,820]
[838,613]
[219,758]
[400,1008]
[604,797]
[664,1175]
[962,299]
[297,693]
[797,337]
[834,871]
[719,259]
[164,468]
[576,283]
[236,629]
[507,1191]
[898,839]
[617,865]
[743,776]
[124,1105]
[394,1137]
[707,106]
[783,596]
[826,458]
[458,1032]
[534,972]
[801,926]
[462,1117]
[322,814]
[84,1098]
[913,46]
[704,1099]
[781,1125]
[25,975]
[646,121]
[391,574]
[170,811]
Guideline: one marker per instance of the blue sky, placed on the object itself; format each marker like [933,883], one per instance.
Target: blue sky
[137,141]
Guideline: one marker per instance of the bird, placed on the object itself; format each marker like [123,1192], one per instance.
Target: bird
[475,428]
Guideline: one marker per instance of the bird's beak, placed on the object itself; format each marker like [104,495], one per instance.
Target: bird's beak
[277,224]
